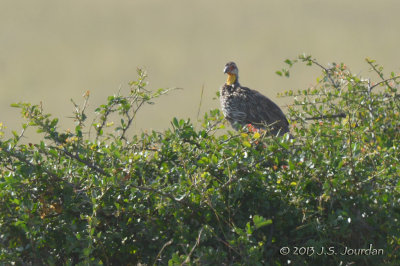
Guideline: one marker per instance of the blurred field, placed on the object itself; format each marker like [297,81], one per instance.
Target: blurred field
[52,51]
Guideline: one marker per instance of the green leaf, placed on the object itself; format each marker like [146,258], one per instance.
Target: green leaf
[86,252]
[284,144]
[247,144]
[214,159]
[291,165]
[260,221]
[289,62]
[204,160]
[53,152]
[15,134]
[175,122]
[78,131]
[249,230]
[54,122]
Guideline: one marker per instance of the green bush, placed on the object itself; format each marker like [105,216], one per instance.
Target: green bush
[206,196]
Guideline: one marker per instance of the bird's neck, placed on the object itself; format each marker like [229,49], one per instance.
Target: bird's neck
[232,79]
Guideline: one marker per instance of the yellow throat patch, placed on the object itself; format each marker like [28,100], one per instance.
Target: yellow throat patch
[231,79]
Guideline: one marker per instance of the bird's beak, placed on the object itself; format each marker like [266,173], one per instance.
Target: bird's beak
[225,69]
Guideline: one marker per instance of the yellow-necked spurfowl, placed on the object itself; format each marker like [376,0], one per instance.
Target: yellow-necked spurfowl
[243,106]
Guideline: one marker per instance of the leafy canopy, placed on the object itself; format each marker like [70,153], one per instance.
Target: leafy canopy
[203,195]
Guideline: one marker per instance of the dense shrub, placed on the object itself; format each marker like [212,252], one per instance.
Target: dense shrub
[208,196]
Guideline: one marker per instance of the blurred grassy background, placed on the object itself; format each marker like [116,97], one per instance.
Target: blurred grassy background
[52,51]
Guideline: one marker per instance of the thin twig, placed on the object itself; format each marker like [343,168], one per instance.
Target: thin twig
[230,181]
[130,119]
[194,246]
[327,73]
[342,115]
[371,63]
[212,127]
[19,137]
[162,249]
[85,162]
[384,81]
[230,247]
[181,200]
[104,120]
[201,101]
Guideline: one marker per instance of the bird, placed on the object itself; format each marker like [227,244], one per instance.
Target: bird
[242,106]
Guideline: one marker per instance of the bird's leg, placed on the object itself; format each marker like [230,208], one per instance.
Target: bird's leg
[251,128]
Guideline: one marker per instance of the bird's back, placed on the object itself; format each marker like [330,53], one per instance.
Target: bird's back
[242,106]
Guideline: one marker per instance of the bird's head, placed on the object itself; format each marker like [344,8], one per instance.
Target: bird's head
[232,71]
[231,68]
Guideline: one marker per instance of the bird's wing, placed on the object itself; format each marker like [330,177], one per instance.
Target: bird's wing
[261,110]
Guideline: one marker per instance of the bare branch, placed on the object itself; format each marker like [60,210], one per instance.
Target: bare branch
[162,249]
[24,127]
[327,71]
[194,246]
[380,74]
[201,101]
[384,81]
[163,194]
[341,115]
